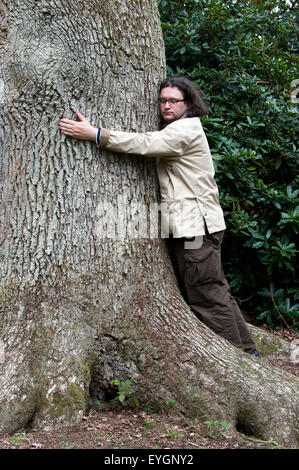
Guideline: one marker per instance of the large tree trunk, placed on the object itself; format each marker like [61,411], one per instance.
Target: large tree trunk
[80,307]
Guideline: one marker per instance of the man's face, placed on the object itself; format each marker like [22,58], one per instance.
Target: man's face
[171,112]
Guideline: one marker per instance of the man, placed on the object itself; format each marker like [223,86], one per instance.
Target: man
[195,218]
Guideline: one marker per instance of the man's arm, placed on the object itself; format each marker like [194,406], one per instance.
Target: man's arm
[170,142]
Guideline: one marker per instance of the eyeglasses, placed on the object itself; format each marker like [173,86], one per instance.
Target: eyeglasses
[170,100]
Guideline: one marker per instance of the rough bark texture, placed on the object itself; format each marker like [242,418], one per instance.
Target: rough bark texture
[79,308]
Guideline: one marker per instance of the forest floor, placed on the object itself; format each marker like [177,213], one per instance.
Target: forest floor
[119,427]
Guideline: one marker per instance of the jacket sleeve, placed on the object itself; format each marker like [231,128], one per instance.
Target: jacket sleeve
[170,142]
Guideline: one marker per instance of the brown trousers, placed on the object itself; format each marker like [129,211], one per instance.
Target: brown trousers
[207,290]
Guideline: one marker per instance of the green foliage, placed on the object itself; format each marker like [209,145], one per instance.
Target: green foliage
[124,391]
[216,430]
[171,403]
[148,425]
[17,439]
[242,54]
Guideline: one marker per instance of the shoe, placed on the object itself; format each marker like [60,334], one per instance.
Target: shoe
[255,353]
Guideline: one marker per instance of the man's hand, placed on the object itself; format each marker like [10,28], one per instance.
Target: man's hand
[78,129]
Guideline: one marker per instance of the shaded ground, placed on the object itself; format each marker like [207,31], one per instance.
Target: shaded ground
[122,428]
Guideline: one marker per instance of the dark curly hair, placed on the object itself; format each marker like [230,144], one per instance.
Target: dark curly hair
[191,93]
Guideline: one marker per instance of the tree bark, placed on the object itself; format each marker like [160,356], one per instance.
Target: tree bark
[88,293]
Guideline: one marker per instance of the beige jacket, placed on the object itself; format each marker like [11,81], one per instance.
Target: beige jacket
[185,171]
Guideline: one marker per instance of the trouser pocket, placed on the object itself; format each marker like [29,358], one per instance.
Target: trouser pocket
[203,265]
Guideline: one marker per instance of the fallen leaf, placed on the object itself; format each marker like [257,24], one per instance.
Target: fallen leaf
[36,445]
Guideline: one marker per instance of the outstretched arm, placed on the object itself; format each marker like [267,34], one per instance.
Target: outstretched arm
[168,143]
[81,129]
